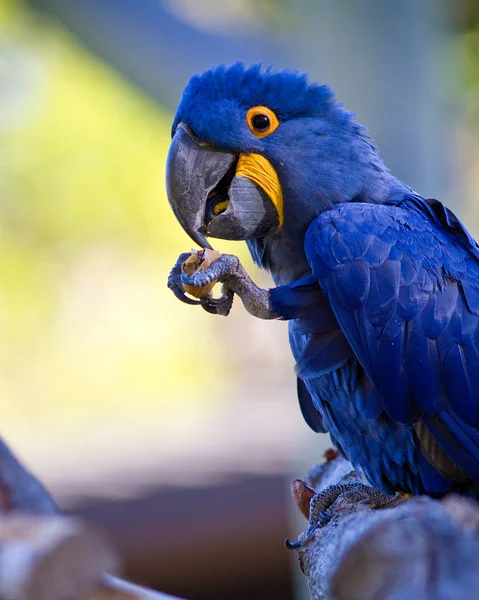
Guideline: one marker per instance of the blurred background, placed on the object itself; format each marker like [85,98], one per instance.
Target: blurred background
[176,431]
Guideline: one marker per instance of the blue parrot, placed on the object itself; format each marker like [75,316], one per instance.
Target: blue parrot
[379,285]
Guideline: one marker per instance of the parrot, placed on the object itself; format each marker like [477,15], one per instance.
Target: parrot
[379,285]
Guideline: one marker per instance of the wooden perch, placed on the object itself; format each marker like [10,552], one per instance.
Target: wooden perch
[46,556]
[113,588]
[423,549]
[55,557]
[51,557]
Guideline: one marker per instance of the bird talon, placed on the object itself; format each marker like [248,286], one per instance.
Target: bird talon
[299,542]
[225,265]
[292,545]
[174,281]
[197,279]
[180,294]
[219,306]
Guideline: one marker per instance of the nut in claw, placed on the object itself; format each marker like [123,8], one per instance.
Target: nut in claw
[199,260]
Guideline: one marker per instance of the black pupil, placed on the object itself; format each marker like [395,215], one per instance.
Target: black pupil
[260,122]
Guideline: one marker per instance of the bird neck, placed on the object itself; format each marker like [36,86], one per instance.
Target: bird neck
[282,252]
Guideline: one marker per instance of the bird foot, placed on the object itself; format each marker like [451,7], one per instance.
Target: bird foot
[230,272]
[216,306]
[174,281]
[324,505]
[225,265]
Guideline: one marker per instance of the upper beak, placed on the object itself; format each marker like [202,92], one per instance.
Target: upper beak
[192,171]
[213,194]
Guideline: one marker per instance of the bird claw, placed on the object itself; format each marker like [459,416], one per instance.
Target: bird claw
[303,537]
[225,265]
[197,279]
[292,545]
[228,270]
[174,281]
[323,505]
[219,306]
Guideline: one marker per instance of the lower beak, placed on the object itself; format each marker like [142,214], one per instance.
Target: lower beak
[220,194]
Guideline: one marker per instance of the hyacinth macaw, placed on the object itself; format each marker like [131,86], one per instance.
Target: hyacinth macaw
[380,285]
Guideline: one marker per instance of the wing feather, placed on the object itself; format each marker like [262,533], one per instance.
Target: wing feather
[403,284]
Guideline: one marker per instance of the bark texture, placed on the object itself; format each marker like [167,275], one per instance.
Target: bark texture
[424,549]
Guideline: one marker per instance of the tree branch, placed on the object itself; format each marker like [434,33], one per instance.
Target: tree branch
[46,556]
[423,549]
[19,489]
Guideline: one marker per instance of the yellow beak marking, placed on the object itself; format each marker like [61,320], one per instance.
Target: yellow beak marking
[257,168]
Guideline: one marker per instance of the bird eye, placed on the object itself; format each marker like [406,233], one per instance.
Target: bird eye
[261,121]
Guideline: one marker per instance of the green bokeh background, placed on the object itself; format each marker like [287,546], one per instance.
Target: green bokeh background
[87,239]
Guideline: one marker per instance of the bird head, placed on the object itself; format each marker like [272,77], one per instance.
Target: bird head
[259,153]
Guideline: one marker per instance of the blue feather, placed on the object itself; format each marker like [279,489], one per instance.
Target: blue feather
[422,364]
[411,313]
[308,410]
[323,353]
[459,441]
[471,291]
[352,283]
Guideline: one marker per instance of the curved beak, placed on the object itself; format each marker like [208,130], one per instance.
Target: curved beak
[220,194]
[192,171]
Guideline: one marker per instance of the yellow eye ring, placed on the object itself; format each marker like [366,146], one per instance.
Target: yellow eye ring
[261,121]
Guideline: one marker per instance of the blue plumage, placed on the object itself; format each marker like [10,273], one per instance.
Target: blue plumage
[403,309]
[380,286]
